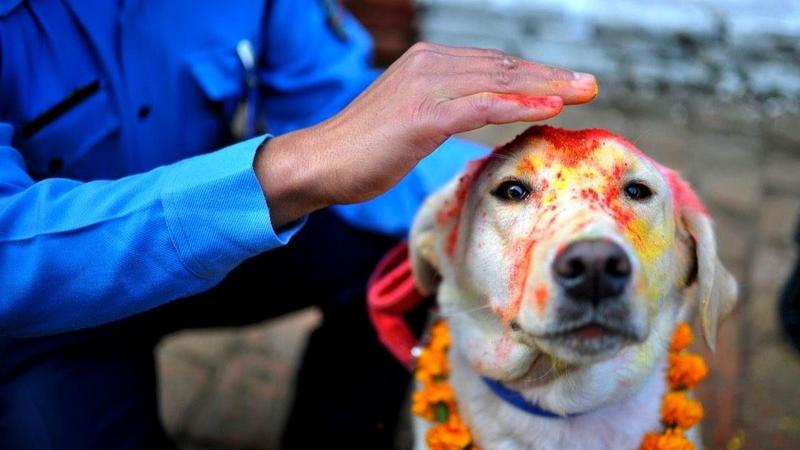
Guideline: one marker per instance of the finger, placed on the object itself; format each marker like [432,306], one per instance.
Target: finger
[477,110]
[454,76]
[470,75]
[458,51]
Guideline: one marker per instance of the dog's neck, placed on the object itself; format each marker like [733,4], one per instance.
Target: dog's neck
[499,425]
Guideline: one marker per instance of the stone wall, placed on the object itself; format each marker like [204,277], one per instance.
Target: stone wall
[733,50]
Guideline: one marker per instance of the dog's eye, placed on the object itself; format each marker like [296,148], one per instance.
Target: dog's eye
[638,191]
[512,190]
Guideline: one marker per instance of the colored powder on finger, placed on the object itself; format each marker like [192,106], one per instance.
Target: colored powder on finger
[532,101]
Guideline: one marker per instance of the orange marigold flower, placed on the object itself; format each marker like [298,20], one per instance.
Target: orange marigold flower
[434,363]
[424,401]
[440,337]
[686,370]
[680,410]
[682,338]
[670,440]
[453,435]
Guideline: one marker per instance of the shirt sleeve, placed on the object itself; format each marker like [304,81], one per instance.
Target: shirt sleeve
[75,254]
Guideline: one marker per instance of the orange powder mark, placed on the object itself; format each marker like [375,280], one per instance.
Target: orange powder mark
[540,293]
[526,165]
[518,278]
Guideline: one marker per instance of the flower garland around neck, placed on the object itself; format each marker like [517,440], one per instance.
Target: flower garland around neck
[435,399]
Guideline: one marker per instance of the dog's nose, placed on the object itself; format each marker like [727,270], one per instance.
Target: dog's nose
[593,270]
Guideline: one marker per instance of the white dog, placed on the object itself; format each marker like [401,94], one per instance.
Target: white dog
[562,263]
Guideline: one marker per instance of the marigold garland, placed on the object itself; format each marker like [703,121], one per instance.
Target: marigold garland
[435,400]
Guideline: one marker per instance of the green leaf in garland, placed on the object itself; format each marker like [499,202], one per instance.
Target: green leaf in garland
[442,412]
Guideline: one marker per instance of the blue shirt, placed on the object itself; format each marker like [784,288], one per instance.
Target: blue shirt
[119,189]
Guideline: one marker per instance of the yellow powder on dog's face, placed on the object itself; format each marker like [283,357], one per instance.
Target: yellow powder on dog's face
[573,190]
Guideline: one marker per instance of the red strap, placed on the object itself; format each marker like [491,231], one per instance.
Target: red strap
[392,292]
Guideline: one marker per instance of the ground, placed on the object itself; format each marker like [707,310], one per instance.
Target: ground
[229,389]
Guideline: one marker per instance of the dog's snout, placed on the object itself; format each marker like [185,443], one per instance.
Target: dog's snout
[593,270]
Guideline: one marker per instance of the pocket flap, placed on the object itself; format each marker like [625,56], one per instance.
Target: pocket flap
[220,73]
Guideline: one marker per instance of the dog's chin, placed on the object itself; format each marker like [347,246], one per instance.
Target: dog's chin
[586,344]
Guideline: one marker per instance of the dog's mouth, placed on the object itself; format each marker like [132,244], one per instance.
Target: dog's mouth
[590,338]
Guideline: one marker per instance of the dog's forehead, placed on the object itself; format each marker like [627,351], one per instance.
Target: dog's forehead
[545,146]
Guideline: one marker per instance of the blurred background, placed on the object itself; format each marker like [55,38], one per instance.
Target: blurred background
[709,87]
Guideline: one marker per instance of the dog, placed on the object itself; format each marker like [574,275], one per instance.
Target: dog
[562,263]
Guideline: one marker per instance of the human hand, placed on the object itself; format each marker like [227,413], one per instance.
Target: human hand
[430,93]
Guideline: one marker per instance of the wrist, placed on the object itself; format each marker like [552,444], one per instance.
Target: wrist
[288,177]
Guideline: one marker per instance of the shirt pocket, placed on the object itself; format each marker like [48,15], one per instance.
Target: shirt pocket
[71,137]
[220,76]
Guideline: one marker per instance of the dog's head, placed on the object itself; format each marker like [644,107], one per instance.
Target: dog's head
[570,244]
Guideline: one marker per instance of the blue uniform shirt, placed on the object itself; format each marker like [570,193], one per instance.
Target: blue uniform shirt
[113,199]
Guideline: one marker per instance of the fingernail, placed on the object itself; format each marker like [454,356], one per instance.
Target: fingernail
[584,81]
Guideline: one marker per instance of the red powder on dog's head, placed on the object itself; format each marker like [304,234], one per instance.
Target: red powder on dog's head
[683,195]
[573,146]
[452,240]
[521,252]
[452,207]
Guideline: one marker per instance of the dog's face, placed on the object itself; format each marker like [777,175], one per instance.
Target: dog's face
[570,244]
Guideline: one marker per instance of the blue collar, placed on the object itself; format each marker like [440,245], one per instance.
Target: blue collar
[516,399]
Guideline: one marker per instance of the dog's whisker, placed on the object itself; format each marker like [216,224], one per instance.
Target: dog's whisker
[466,311]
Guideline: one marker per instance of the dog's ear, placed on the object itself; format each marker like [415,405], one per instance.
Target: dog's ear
[714,287]
[423,240]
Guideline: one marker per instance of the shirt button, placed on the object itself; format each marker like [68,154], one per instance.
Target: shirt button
[144,111]
[55,164]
